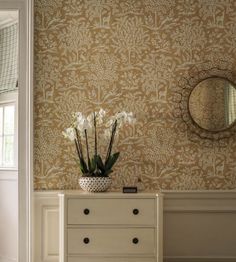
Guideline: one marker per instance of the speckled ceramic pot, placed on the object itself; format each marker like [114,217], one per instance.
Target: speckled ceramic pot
[95,184]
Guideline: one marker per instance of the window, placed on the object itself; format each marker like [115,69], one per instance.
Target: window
[8,135]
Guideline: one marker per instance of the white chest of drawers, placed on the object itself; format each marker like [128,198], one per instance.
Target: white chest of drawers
[110,227]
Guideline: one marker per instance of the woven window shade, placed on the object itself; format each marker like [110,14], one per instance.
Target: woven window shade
[8,58]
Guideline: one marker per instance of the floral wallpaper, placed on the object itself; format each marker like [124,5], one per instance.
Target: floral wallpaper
[128,55]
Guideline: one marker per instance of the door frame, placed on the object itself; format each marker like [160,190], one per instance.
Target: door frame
[25,126]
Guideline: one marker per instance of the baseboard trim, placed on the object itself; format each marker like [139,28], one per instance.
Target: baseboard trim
[199,259]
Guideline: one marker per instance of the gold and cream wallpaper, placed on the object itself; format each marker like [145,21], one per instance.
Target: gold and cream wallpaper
[128,55]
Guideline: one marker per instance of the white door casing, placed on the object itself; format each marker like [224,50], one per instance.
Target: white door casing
[25,135]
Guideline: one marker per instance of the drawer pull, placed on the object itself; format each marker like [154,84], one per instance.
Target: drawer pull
[86,211]
[135,240]
[86,240]
[135,211]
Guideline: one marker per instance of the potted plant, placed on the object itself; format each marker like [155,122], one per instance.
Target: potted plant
[94,168]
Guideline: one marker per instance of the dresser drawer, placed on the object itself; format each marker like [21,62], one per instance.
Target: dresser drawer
[111,211]
[105,259]
[98,241]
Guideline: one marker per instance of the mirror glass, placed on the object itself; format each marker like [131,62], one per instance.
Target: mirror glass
[212,104]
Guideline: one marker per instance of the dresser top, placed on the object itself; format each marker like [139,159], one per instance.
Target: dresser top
[109,194]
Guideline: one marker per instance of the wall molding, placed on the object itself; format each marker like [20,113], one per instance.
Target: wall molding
[9,176]
[200,201]
[199,259]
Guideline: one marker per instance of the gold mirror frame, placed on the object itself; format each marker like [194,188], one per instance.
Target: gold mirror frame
[186,86]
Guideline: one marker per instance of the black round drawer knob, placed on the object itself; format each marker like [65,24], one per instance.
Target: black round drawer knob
[86,240]
[135,211]
[135,240]
[86,211]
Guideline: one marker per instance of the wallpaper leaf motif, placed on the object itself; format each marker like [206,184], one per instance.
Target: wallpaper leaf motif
[128,55]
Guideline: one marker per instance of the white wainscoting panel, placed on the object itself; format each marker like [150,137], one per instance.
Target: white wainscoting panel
[46,227]
[8,215]
[199,226]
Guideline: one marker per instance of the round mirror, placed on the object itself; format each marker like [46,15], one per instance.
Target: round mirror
[212,104]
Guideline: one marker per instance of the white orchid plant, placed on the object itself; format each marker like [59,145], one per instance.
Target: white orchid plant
[78,133]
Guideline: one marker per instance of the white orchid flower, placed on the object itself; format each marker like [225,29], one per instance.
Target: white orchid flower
[100,115]
[69,133]
[130,118]
[121,115]
[107,133]
[124,117]
[79,118]
[110,122]
[83,124]
[90,118]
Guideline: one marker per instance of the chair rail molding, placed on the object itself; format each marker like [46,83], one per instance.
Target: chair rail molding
[199,226]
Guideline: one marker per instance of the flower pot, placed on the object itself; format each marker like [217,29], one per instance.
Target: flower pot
[95,184]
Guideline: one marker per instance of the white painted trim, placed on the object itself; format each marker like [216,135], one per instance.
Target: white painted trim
[25,8]
[199,259]
[10,18]
[61,258]
[7,24]
[180,201]
[30,22]
[197,193]
[40,195]
[159,227]
[9,177]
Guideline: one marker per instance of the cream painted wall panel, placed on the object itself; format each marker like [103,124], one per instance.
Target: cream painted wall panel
[200,226]
[50,231]
[200,234]
[46,228]
[8,217]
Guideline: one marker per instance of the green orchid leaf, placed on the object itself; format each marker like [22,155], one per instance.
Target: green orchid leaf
[93,164]
[89,165]
[111,161]
[100,163]
[106,173]
[83,166]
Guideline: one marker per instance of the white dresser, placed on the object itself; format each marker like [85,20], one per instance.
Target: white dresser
[110,227]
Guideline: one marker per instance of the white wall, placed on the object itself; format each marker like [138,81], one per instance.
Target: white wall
[8,216]
[198,226]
